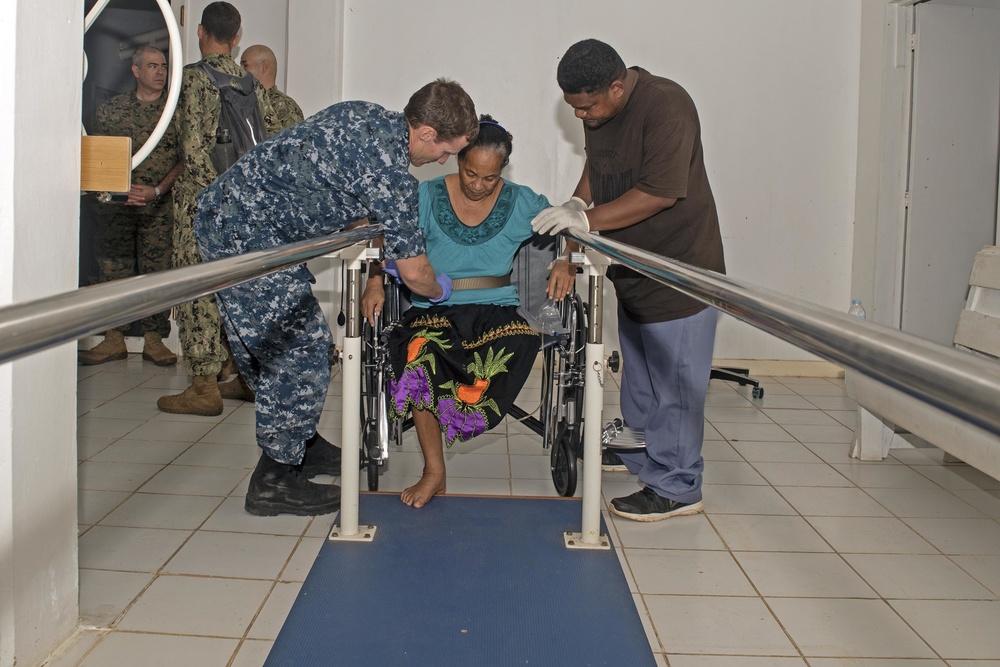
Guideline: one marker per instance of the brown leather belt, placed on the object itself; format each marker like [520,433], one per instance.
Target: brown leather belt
[482,282]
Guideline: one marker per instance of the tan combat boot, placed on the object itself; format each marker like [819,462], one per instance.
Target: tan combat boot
[201,398]
[154,350]
[228,369]
[237,389]
[112,348]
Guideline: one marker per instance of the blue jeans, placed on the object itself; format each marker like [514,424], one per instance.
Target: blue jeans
[665,372]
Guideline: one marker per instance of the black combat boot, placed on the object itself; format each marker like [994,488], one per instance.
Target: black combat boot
[322,458]
[280,488]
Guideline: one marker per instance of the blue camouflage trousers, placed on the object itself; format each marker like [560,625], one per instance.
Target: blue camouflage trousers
[280,340]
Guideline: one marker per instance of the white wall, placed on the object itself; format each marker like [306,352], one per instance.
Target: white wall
[315,53]
[39,222]
[263,22]
[776,84]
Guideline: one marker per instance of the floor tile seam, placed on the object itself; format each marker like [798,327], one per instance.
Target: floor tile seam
[757,596]
[246,471]
[649,618]
[797,514]
[807,551]
[824,463]
[993,599]
[871,587]
[881,600]
[144,423]
[91,457]
[239,647]
[806,398]
[187,539]
[906,520]
[102,634]
[109,382]
[915,468]
[891,516]
[734,655]
[951,559]
[675,549]
[139,492]
[219,466]
[260,609]
[210,530]
[113,417]
[162,574]
[128,607]
[297,537]
[170,462]
[126,499]
[936,653]
[849,516]
[898,615]
[162,633]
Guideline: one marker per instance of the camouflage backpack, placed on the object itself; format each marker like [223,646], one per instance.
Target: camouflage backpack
[241,123]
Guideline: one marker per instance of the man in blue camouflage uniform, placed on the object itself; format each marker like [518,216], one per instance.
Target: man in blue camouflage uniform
[343,164]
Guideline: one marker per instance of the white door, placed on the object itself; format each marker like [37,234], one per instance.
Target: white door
[953,162]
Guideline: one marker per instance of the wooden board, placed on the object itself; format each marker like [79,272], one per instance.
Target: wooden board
[106,164]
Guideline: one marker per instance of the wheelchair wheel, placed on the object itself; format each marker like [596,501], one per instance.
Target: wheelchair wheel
[562,462]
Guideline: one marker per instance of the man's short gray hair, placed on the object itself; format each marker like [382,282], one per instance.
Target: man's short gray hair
[142,51]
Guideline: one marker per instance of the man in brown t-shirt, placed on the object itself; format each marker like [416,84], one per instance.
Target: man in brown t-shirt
[645,175]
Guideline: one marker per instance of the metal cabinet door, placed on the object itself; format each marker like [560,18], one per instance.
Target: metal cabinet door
[953,162]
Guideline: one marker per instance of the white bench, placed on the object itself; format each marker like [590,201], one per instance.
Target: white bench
[886,415]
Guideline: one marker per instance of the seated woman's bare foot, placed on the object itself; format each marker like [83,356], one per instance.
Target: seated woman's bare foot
[430,484]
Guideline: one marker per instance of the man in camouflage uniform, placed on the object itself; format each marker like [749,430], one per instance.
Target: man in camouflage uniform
[260,61]
[135,237]
[197,118]
[347,162]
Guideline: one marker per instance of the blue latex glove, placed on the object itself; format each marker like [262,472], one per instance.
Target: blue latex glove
[389,268]
[445,282]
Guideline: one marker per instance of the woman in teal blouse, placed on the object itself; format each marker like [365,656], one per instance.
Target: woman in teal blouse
[458,365]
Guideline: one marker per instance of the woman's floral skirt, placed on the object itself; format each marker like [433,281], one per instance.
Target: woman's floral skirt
[466,364]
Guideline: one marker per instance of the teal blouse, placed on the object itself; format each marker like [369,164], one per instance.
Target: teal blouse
[487,249]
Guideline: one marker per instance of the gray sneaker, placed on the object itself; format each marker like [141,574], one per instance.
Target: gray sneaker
[647,505]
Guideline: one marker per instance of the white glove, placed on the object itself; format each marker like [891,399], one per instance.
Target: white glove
[559,218]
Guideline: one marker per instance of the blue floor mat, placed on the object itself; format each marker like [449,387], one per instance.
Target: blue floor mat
[465,581]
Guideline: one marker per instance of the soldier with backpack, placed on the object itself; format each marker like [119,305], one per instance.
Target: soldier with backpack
[199,111]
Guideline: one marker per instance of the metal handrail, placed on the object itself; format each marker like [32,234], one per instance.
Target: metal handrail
[964,385]
[38,325]
[961,384]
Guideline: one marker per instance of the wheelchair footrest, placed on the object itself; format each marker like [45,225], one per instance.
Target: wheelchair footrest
[615,435]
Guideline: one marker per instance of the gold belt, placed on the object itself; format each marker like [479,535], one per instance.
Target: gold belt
[482,282]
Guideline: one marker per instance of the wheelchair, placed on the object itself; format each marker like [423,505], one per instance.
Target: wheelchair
[560,410]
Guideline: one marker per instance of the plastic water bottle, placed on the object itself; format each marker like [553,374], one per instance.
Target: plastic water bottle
[224,155]
[550,320]
[857,309]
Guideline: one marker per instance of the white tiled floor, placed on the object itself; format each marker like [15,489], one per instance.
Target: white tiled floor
[803,557]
